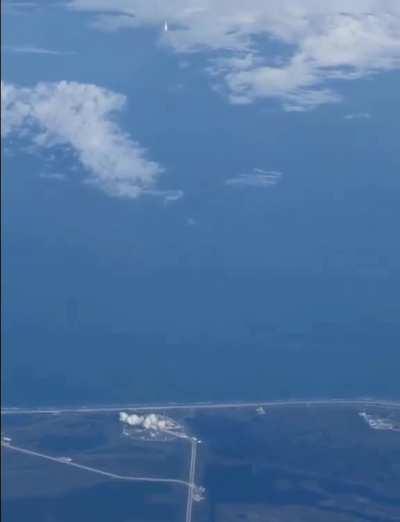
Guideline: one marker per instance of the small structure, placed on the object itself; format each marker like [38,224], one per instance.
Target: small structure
[377,423]
[66,460]
[198,493]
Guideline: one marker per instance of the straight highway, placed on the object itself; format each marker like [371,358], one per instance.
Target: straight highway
[191,479]
[204,406]
[190,482]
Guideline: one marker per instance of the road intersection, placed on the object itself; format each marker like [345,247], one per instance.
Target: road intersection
[194,492]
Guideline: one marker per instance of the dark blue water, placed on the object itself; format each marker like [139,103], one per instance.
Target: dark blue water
[214,336]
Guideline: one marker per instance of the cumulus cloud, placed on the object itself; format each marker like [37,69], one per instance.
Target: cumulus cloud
[319,41]
[81,117]
[257,178]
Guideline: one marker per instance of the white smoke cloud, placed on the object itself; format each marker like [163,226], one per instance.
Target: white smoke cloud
[131,420]
[151,421]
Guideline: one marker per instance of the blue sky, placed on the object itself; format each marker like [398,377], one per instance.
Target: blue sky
[259,141]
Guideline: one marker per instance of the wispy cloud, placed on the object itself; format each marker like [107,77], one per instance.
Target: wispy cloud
[358,116]
[56,176]
[168,196]
[36,50]
[81,118]
[342,40]
[16,4]
[19,8]
[256,178]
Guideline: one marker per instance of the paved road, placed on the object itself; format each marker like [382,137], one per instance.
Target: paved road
[190,484]
[191,480]
[217,405]
[61,460]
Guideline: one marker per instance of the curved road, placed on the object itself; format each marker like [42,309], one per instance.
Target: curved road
[190,484]
[61,460]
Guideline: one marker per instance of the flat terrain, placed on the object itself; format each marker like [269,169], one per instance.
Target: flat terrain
[314,463]
[298,463]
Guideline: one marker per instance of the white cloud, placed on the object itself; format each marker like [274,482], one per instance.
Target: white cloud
[19,5]
[22,8]
[257,178]
[358,116]
[56,176]
[168,196]
[320,41]
[35,50]
[80,117]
